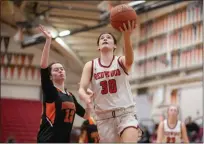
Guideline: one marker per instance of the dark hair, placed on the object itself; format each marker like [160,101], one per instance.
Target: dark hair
[50,67]
[115,41]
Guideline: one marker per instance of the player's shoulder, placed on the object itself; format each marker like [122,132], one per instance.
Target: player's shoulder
[71,94]
[91,61]
[119,58]
[88,64]
[95,59]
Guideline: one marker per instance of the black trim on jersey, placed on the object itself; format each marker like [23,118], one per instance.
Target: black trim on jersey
[122,66]
[169,126]
[92,67]
[99,61]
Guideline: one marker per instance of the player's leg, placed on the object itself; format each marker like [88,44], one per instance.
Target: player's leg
[128,128]
[107,131]
[130,134]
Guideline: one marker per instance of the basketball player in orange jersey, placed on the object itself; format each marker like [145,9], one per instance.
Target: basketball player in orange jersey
[59,105]
[172,130]
[113,101]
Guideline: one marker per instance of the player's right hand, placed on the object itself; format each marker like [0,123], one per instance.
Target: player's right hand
[128,29]
[90,92]
[46,33]
[87,98]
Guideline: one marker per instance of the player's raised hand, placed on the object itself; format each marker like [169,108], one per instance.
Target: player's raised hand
[46,33]
[128,29]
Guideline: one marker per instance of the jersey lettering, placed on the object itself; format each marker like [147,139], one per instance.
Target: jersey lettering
[107,74]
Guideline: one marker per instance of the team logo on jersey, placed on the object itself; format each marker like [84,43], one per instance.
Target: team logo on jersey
[172,133]
[107,74]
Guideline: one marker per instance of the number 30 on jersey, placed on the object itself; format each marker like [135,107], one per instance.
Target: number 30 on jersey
[108,86]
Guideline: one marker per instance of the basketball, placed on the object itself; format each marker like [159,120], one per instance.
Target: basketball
[122,14]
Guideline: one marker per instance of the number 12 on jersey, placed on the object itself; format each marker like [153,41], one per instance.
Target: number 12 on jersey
[108,86]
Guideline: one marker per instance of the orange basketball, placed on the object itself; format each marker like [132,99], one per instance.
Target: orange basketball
[122,14]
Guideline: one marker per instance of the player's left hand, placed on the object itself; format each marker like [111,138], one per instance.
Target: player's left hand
[128,29]
[91,94]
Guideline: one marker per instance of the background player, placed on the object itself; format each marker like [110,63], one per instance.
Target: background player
[172,130]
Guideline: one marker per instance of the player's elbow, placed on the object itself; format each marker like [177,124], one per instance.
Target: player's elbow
[128,63]
[43,65]
[81,93]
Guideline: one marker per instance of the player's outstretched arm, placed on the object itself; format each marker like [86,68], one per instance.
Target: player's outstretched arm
[160,132]
[184,133]
[128,57]
[46,49]
[84,83]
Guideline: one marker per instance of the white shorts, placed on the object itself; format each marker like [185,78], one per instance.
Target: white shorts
[111,124]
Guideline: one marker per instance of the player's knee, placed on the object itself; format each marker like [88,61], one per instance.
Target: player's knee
[130,134]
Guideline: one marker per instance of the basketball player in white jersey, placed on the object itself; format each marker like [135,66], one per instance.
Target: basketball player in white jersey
[113,101]
[172,130]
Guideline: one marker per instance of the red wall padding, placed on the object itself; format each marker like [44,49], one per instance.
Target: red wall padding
[20,119]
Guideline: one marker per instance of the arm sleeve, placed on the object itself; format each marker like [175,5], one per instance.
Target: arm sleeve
[49,91]
[80,111]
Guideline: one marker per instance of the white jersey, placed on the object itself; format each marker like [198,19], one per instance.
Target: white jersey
[111,86]
[172,135]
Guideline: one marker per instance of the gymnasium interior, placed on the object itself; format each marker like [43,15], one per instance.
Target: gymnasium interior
[168,59]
